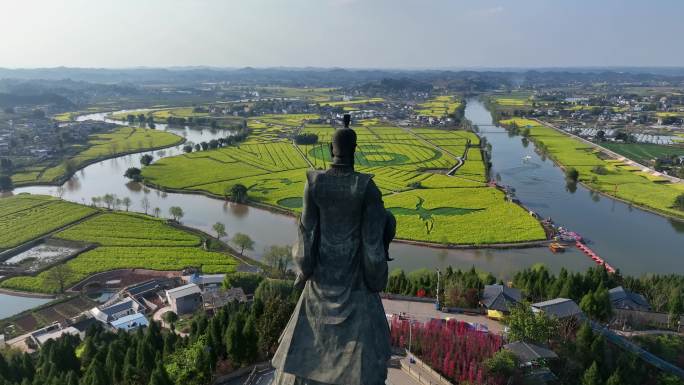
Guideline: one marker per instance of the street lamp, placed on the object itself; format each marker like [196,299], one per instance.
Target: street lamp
[438,274]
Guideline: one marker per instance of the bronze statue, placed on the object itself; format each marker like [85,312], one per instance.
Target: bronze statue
[338,333]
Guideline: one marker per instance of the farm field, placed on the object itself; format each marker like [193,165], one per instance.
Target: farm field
[513,102]
[25,217]
[403,162]
[127,240]
[100,146]
[618,180]
[439,106]
[644,153]
[461,216]
[356,102]
[46,315]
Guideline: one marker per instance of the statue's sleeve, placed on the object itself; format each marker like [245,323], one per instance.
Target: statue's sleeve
[374,256]
[304,256]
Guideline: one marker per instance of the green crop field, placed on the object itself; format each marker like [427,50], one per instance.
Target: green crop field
[512,102]
[403,162]
[647,190]
[461,216]
[100,146]
[644,153]
[439,106]
[25,217]
[127,240]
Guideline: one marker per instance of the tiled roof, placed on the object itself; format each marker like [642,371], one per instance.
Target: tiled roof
[183,291]
[527,352]
[559,307]
[500,297]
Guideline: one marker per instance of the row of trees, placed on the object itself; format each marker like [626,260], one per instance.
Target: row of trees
[457,288]
[232,140]
[237,335]
[141,119]
[6,167]
[306,138]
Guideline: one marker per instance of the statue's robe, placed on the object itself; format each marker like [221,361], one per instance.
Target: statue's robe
[338,333]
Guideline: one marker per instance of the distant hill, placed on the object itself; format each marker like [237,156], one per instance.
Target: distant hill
[327,76]
[14,100]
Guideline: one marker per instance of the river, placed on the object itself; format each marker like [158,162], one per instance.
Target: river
[633,240]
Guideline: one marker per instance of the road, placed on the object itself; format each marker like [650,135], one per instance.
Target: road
[628,345]
[395,376]
[422,311]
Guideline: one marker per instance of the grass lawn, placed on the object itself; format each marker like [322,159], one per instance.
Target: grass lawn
[25,217]
[100,146]
[127,240]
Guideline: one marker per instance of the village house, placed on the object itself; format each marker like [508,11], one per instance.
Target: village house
[560,308]
[184,299]
[113,312]
[498,300]
[627,300]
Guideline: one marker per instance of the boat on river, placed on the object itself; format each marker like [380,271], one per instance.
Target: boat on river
[556,247]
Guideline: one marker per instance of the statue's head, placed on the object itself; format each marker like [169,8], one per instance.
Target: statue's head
[343,145]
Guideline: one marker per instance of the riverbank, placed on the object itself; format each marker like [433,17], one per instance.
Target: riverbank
[280,211]
[67,176]
[610,177]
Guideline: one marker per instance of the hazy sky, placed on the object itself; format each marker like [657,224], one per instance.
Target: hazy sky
[343,33]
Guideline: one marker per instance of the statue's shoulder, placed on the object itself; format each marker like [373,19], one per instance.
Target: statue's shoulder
[312,175]
[364,177]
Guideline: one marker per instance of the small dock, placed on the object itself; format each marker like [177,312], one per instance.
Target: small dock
[591,254]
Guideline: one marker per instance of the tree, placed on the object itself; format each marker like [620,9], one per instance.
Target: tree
[187,148]
[176,212]
[243,241]
[238,193]
[146,159]
[503,364]
[6,183]
[6,165]
[126,201]
[134,174]
[220,230]
[59,276]
[247,281]
[170,317]
[597,304]
[525,325]
[145,203]
[572,174]
[600,136]
[679,202]
[592,376]
[109,199]
[279,257]
[157,212]
[675,306]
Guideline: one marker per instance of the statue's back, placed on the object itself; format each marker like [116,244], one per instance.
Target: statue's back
[338,333]
[340,200]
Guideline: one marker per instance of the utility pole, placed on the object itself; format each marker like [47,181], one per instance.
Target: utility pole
[438,304]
